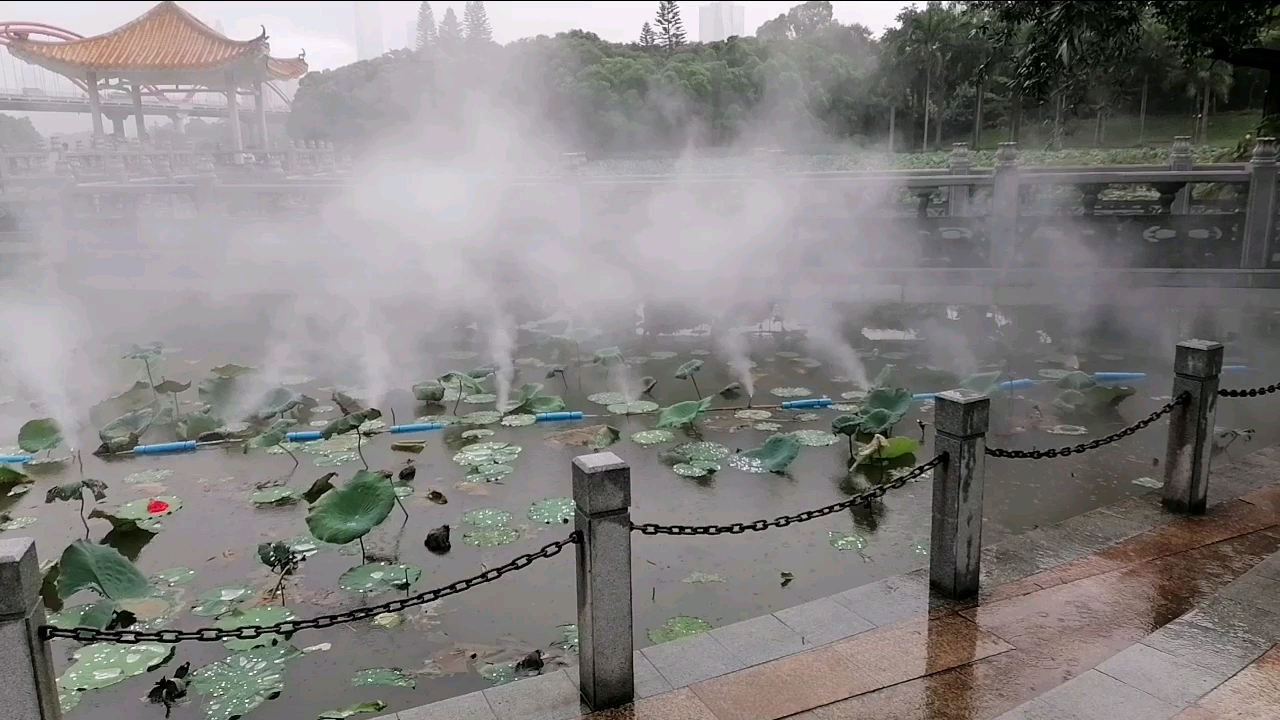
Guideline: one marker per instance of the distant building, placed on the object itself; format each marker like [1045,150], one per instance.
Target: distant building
[720,21]
[368,30]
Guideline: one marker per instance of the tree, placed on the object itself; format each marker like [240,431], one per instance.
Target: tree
[801,21]
[426,26]
[450,35]
[647,37]
[670,26]
[476,22]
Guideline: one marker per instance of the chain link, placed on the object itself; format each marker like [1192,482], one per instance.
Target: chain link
[1092,444]
[251,632]
[863,498]
[1251,392]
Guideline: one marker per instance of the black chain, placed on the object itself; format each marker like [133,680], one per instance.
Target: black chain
[1092,444]
[251,632]
[738,528]
[1251,392]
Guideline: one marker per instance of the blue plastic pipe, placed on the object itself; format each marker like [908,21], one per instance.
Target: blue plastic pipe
[1118,376]
[166,448]
[1234,368]
[304,436]
[924,397]
[1019,384]
[810,403]
[567,415]
[14,458]
[414,427]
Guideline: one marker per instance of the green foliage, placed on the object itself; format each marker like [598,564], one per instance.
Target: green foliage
[348,423]
[100,568]
[74,490]
[353,510]
[39,435]
[429,392]
[982,383]
[687,370]
[531,401]
[777,453]
[682,414]
[275,435]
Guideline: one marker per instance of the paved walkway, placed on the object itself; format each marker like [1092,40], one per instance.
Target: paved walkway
[1124,612]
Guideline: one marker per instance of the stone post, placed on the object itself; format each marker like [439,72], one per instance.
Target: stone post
[955,541]
[1002,224]
[1180,160]
[602,493]
[959,163]
[28,688]
[1196,366]
[1260,212]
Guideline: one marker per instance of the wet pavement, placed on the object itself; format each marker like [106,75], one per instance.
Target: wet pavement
[1124,612]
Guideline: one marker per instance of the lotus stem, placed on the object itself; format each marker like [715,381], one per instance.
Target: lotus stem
[393,416]
[360,450]
[564,380]
[398,501]
[176,411]
[293,457]
[82,520]
[695,386]
[851,454]
[363,561]
[147,364]
[80,462]
[458,400]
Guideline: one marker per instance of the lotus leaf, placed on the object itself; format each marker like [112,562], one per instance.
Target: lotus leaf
[498,673]
[218,393]
[102,665]
[1053,373]
[100,568]
[652,437]
[1093,400]
[1067,430]
[409,446]
[479,434]
[815,438]
[681,626]
[172,387]
[95,615]
[236,685]
[608,357]
[877,421]
[230,370]
[777,453]
[696,451]
[144,352]
[490,536]
[982,383]
[488,473]
[135,423]
[682,414]
[568,638]
[662,355]
[846,541]
[531,401]
[192,426]
[277,401]
[701,578]
[463,382]
[429,392]
[17,523]
[387,677]
[348,423]
[488,453]
[379,577]
[9,476]
[486,517]
[732,391]
[687,370]
[353,510]
[74,490]
[932,377]
[141,514]
[276,496]
[767,426]
[259,617]
[552,511]
[750,414]
[277,434]
[222,600]
[608,398]
[174,576]
[519,420]
[371,706]
[689,470]
[791,392]
[638,407]
[1076,381]
[481,417]
[39,435]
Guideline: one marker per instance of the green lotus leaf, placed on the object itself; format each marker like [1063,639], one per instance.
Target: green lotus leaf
[370,706]
[846,425]
[39,435]
[348,423]
[277,434]
[385,677]
[141,514]
[219,393]
[552,511]
[638,407]
[896,447]
[353,510]
[607,357]
[687,370]
[682,414]
[102,665]
[74,490]
[1076,380]
[9,476]
[276,496]
[430,391]
[236,685]
[100,568]
[231,370]
[652,437]
[192,426]
[379,577]
[815,438]
[895,400]
[461,381]
[259,617]
[777,453]
[681,626]
[172,387]
[277,401]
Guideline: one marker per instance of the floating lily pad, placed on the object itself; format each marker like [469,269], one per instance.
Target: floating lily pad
[498,673]
[1148,482]
[236,685]
[709,465]
[220,601]
[815,438]
[336,459]
[791,392]
[519,420]
[480,399]
[681,626]
[259,616]
[491,536]
[693,451]
[488,473]
[482,417]
[846,541]
[787,354]
[68,699]
[486,517]
[688,470]
[845,408]
[1067,430]
[488,453]
[653,437]
[747,464]
[662,354]
[383,677]
[148,476]
[102,665]
[379,577]
[807,417]
[552,511]
[144,514]
[700,353]
[370,706]
[1053,373]
[753,414]
[701,578]
[277,496]
[17,523]
[854,395]
[608,398]
[767,426]
[174,576]
[568,638]
[638,407]
[387,621]
[477,434]
[93,615]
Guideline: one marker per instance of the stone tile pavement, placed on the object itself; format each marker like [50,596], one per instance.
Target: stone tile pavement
[1123,612]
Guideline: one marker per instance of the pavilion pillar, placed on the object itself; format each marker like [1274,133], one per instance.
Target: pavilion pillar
[139,118]
[233,119]
[95,102]
[260,105]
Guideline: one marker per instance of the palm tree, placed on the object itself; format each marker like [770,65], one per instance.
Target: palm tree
[927,39]
[1205,80]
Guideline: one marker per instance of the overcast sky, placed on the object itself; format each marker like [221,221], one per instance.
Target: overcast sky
[326,29]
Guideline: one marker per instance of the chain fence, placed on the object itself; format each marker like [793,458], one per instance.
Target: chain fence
[1251,392]
[863,498]
[252,632]
[1092,444]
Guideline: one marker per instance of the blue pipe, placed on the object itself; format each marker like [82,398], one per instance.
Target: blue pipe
[14,458]
[923,397]
[567,415]
[1018,384]
[304,436]
[165,448]
[810,403]
[1234,368]
[414,427]
[1102,377]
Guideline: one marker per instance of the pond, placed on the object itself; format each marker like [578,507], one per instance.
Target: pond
[207,548]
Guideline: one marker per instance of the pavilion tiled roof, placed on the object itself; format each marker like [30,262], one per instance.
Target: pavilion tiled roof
[166,38]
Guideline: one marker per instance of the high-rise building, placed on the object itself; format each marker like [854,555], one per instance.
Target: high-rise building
[720,21]
[368,29]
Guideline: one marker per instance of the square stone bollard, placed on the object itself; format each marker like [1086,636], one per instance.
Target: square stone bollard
[1196,367]
[606,665]
[961,418]
[28,686]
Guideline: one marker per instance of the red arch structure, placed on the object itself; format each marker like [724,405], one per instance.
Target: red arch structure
[24,29]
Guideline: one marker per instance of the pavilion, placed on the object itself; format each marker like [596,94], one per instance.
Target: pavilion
[166,52]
